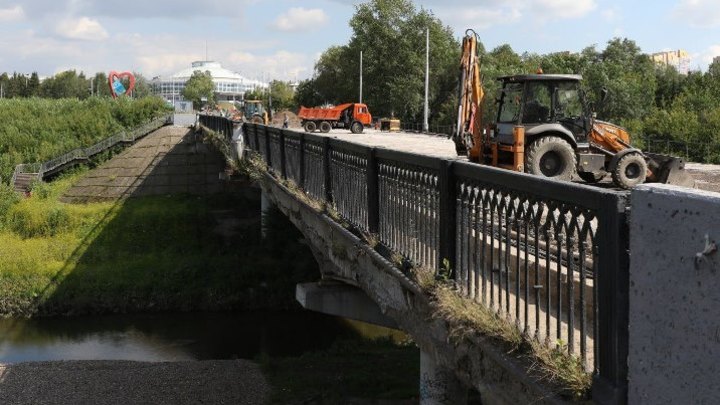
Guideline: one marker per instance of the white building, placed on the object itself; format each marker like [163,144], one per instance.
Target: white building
[229,86]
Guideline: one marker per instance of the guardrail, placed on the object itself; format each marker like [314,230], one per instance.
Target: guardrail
[82,154]
[550,257]
[218,124]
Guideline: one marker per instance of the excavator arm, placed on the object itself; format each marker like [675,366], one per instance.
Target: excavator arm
[468,136]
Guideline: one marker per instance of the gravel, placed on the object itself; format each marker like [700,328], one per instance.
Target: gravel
[131,382]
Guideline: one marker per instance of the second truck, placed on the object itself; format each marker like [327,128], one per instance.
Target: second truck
[544,126]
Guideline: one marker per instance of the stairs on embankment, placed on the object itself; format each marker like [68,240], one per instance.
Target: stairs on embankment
[23,181]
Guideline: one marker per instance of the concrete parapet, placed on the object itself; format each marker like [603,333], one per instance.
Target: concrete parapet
[674,297]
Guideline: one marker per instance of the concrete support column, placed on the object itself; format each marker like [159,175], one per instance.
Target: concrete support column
[438,385]
[265,206]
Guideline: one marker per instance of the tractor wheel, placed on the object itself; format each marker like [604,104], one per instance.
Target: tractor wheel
[630,171]
[551,156]
[325,127]
[356,127]
[310,126]
[592,177]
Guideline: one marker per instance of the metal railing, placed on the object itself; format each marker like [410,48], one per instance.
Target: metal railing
[550,257]
[83,154]
[219,124]
[433,129]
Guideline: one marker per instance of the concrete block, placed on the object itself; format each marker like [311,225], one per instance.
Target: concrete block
[674,297]
[341,300]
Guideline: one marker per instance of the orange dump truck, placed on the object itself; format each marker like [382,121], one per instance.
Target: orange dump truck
[354,116]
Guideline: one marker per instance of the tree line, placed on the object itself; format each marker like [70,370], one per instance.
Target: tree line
[67,84]
[655,103]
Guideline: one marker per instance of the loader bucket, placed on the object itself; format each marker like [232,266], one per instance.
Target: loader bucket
[669,170]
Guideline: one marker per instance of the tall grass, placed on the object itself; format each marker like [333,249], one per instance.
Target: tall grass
[149,253]
[36,129]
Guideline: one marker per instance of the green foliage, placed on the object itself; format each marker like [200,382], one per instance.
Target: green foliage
[36,130]
[150,253]
[391,34]
[199,86]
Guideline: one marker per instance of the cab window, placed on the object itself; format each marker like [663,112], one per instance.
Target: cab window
[536,108]
[510,107]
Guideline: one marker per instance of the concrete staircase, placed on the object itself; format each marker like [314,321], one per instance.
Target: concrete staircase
[23,181]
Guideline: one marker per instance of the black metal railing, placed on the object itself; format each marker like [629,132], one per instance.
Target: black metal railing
[550,257]
[216,123]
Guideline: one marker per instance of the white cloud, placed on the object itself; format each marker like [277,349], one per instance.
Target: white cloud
[709,54]
[699,13]
[300,19]
[81,28]
[558,9]
[12,14]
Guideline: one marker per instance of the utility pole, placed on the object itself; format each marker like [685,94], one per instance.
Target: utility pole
[426,125]
[361,72]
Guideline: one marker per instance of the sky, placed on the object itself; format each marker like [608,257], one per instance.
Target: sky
[282,39]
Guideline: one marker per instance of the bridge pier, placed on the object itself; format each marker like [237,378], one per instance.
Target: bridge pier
[265,206]
[438,384]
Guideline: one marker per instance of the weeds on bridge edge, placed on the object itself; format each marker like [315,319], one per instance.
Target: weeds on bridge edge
[465,317]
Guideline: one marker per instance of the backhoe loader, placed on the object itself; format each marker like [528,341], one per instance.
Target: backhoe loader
[544,126]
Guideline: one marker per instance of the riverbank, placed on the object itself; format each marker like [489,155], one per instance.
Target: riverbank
[128,382]
[155,253]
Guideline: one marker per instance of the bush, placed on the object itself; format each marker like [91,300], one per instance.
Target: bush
[36,130]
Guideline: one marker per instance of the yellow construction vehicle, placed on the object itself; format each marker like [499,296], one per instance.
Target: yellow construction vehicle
[254,112]
[545,127]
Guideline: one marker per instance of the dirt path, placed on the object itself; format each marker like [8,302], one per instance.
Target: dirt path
[171,160]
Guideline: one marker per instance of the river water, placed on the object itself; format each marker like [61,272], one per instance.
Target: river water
[174,337]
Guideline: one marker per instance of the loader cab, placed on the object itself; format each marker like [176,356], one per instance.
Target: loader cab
[542,103]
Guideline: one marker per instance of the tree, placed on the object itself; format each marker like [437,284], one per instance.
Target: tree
[142,86]
[66,84]
[200,86]
[391,35]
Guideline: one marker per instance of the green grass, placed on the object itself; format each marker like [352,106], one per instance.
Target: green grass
[35,130]
[151,253]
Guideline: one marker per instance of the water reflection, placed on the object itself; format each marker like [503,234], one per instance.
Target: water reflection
[169,337]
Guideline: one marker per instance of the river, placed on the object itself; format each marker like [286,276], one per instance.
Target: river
[175,336]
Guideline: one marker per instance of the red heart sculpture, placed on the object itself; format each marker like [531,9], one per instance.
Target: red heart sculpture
[116,86]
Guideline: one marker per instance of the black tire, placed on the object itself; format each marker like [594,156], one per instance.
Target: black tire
[590,177]
[310,126]
[356,127]
[552,157]
[630,171]
[325,127]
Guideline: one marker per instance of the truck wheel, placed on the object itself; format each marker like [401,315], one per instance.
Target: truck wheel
[592,177]
[310,126]
[551,156]
[325,127]
[630,171]
[356,127]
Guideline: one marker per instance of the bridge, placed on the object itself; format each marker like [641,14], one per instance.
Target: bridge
[550,261]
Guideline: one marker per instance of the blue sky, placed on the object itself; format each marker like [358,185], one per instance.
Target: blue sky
[282,39]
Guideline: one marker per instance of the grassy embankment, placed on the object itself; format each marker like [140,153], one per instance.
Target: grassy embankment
[35,130]
[154,253]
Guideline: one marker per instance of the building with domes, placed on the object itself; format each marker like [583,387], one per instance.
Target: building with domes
[229,85]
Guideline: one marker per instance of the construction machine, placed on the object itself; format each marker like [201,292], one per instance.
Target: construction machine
[254,112]
[545,126]
[353,116]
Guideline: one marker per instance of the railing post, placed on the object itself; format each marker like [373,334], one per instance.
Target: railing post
[326,170]
[301,179]
[447,215]
[373,192]
[283,163]
[610,385]
[268,157]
